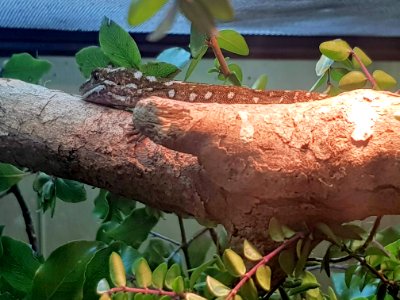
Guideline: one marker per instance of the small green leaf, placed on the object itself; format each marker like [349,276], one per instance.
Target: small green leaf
[173,272]
[325,229]
[233,78]
[165,24]
[237,70]
[303,288]
[90,58]
[337,50]
[70,190]
[118,45]
[102,286]
[349,275]
[232,41]
[195,275]
[331,294]
[375,251]
[198,249]
[275,230]
[338,73]
[263,276]
[324,63]
[101,207]
[117,270]
[142,272]
[178,285]
[217,288]
[197,42]
[40,180]
[260,83]
[287,260]
[287,232]
[384,80]
[159,69]
[176,56]
[194,62]
[321,80]
[158,275]
[249,290]
[352,80]
[201,18]
[220,9]
[105,297]
[18,264]
[251,252]
[191,296]
[138,219]
[142,10]
[24,67]
[304,253]
[9,175]
[362,56]
[233,263]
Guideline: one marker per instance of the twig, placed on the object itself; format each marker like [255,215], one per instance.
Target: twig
[165,238]
[332,260]
[262,262]
[184,245]
[365,70]
[29,228]
[144,291]
[188,243]
[214,237]
[371,233]
[213,44]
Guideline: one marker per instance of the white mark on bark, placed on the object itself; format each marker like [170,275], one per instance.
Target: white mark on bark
[208,95]
[192,96]
[363,116]
[246,128]
[171,93]
[231,95]
[168,83]
[256,99]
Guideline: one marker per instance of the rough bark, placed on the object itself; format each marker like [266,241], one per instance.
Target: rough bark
[331,160]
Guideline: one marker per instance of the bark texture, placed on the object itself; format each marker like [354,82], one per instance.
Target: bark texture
[332,160]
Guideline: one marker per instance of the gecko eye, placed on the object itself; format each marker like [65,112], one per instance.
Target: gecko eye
[95,75]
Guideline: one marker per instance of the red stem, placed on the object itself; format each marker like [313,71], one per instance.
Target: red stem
[262,262]
[365,70]
[143,291]
[213,43]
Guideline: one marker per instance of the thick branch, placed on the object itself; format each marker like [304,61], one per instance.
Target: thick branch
[330,160]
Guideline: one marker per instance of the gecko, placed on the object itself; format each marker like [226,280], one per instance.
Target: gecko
[122,88]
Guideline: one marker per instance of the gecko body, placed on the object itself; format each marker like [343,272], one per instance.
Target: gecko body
[123,88]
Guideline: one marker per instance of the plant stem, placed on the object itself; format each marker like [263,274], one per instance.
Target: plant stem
[29,228]
[262,262]
[213,43]
[214,237]
[372,233]
[165,238]
[144,291]
[365,70]
[184,242]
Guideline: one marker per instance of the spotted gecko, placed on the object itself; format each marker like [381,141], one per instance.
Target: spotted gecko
[123,88]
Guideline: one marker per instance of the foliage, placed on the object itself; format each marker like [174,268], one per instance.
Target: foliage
[141,264]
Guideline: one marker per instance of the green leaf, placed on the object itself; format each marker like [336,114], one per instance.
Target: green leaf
[233,263]
[362,56]
[220,9]
[119,207]
[118,45]
[353,80]
[1,245]
[142,10]
[117,270]
[158,251]
[198,249]
[102,286]
[338,73]
[217,288]
[138,219]
[375,251]
[251,252]
[337,50]
[101,207]
[18,264]
[178,285]
[275,230]
[260,83]
[197,42]
[303,288]
[287,260]
[349,274]
[165,24]
[142,272]
[200,16]
[233,78]
[40,180]
[159,69]
[24,67]
[263,276]
[308,278]
[232,41]
[325,229]
[304,253]
[195,275]
[384,80]
[324,64]
[105,297]
[90,58]
[173,272]
[331,294]
[249,290]
[9,176]
[191,296]
[321,80]
[176,56]
[70,190]
[62,275]
[158,275]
